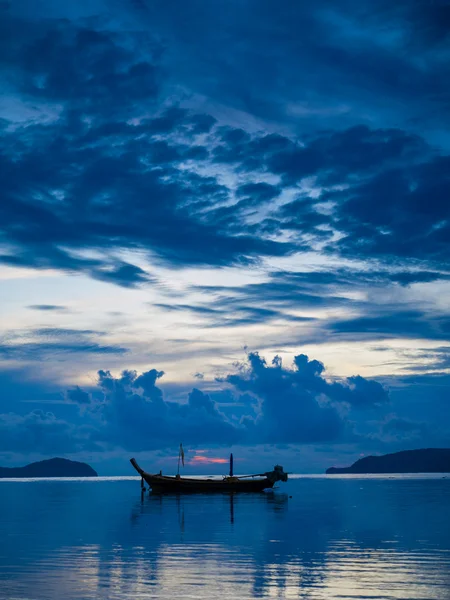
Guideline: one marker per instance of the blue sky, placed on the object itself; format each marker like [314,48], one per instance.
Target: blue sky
[226,224]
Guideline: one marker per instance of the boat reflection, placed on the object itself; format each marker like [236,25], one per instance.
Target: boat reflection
[166,504]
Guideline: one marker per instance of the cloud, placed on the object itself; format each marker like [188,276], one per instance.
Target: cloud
[208,460]
[410,324]
[336,156]
[299,404]
[48,307]
[103,212]
[231,313]
[282,405]
[67,177]
[135,415]
[68,186]
[22,384]
[401,212]
[41,432]
[124,274]
[78,396]
[429,360]
[87,67]
[371,304]
[258,403]
[263,404]
[328,65]
[48,342]
[118,141]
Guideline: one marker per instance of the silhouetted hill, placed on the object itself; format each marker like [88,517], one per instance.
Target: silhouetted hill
[54,467]
[428,460]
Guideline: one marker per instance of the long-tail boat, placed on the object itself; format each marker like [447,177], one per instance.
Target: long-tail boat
[163,484]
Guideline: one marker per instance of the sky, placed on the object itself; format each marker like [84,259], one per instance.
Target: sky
[224,224]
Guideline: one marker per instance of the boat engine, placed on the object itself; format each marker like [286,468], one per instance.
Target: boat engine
[277,474]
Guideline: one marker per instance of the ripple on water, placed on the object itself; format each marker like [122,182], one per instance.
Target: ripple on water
[334,539]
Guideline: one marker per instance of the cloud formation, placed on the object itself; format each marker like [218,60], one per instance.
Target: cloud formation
[281,405]
[117,166]
[49,342]
[47,307]
[159,152]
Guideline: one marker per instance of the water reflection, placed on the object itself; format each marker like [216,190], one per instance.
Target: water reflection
[331,539]
[218,505]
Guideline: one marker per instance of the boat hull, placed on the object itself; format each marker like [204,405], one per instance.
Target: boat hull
[160,484]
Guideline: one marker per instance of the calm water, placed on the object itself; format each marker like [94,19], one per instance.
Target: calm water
[334,538]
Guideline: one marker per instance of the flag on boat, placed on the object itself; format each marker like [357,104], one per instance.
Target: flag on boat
[182,454]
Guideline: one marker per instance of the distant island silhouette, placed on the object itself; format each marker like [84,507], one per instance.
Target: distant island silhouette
[428,460]
[53,467]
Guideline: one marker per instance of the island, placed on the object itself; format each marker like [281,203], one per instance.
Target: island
[427,460]
[53,467]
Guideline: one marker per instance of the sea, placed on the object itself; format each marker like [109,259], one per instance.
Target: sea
[315,537]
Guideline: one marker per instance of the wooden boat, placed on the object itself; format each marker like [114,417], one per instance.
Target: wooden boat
[163,484]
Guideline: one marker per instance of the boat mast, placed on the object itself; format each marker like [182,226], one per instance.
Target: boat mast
[180,456]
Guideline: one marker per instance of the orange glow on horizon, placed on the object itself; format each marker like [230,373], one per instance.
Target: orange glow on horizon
[207,459]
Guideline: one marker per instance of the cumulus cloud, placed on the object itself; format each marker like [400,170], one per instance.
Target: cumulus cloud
[299,404]
[133,414]
[264,404]
[78,396]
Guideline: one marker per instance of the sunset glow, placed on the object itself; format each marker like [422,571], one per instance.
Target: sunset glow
[208,459]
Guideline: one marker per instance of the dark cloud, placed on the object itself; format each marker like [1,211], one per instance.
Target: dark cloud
[48,342]
[391,198]
[78,396]
[163,138]
[42,432]
[68,182]
[263,403]
[231,313]
[88,68]
[125,275]
[20,385]
[108,170]
[394,323]
[424,26]
[36,351]
[48,307]
[300,404]
[135,415]
[312,66]
[429,359]
[281,291]
[372,316]
[281,405]
[339,155]
[60,332]
[401,213]
[103,211]
[202,310]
